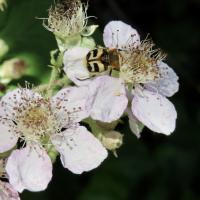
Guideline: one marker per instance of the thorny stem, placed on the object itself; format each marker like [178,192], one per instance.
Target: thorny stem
[56,64]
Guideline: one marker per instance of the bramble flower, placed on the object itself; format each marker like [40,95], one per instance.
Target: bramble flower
[68,21]
[142,68]
[141,64]
[38,122]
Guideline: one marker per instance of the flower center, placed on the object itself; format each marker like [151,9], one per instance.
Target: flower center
[37,121]
[139,65]
[35,118]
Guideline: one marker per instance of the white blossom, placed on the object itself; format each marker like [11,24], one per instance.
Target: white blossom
[141,66]
[25,115]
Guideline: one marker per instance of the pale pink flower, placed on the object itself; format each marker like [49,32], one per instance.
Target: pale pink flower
[27,116]
[152,84]
[7,192]
[149,105]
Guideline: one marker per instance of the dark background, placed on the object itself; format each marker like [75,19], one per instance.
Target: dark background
[154,167]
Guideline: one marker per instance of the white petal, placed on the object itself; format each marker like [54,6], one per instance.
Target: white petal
[154,111]
[74,65]
[167,85]
[118,34]
[108,97]
[8,138]
[15,98]
[29,168]
[7,192]
[135,125]
[73,102]
[80,150]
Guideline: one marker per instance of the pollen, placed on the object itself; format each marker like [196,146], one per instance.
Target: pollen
[35,122]
[67,18]
[140,64]
[33,118]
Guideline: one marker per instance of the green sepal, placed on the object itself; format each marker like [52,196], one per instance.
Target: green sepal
[52,152]
[88,42]
[115,73]
[89,30]
[68,42]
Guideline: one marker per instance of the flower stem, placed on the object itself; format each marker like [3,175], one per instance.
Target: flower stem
[51,86]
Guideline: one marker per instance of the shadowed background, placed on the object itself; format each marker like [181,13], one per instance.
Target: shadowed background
[154,167]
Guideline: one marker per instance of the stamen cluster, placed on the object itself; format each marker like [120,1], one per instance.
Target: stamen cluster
[67,18]
[33,117]
[140,64]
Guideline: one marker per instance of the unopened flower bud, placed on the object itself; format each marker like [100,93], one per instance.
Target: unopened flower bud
[3,46]
[12,69]
[108,126]
[112,140]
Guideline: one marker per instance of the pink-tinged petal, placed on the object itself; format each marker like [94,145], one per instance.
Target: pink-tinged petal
[8,138]
[135,125]
[72,102]
[154,111]
[7,192]
[74,61]
[108,97]
[168,84]
[29,168]
[14,99]
[80,151]
[120,35]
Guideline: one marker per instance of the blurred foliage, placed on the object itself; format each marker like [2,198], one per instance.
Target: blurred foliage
[154,167]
